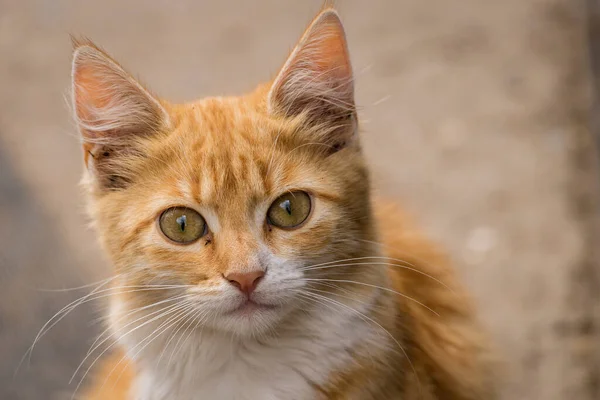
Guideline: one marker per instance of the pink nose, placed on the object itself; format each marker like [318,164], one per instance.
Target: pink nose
[245,281]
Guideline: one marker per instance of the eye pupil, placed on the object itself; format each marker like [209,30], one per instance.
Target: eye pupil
[287,206]
[181,221]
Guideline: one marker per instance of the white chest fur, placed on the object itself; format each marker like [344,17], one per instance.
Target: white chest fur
[211,366]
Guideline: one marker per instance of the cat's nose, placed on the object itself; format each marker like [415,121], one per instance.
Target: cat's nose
[245,281]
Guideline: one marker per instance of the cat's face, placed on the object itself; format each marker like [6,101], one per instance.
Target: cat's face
[227,166]
[227,206]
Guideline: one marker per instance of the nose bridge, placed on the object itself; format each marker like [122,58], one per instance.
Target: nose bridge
[238,250]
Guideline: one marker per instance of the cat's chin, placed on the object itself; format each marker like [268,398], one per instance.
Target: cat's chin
[250,308]
[250,319]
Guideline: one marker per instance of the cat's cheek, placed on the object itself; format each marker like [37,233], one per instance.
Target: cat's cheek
[312,244]
[282,279]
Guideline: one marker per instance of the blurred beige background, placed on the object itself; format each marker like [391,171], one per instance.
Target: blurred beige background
[475,115]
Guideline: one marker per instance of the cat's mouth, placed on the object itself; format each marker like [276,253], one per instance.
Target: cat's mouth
[250,307]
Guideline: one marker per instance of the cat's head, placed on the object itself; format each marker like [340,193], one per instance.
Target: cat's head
[226,206]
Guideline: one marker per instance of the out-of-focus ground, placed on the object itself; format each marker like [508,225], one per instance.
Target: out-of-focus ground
[475,115]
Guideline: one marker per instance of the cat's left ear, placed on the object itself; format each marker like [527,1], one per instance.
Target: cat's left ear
[113,113]
[112,109]
[317,80]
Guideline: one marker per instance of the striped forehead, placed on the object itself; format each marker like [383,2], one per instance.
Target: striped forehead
[226,174]
[226,151]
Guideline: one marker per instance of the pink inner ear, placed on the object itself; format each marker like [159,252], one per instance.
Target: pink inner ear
[89,91]
[108,102]
[86,98]
[325,48]
[89,94]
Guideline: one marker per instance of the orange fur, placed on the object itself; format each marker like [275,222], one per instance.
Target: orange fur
[113,380]
[229,159]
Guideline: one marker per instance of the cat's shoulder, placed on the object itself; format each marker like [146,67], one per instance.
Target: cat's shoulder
[113,379]
[401,239]
[440,319]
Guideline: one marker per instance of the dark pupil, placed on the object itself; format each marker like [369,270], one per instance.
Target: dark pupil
[287,206]
[181,221]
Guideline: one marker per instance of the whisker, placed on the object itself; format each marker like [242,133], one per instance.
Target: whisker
[396,250]
[137,309]
[171,337]
[177,309]
[89,285]
[96,345]
[42,332]
[339,295]
[183,323]
[85,299]
[370,285]
[161,311]
[200,317]
[401,264]
[151,337]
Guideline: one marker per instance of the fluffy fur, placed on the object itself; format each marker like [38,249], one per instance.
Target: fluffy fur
[357,305]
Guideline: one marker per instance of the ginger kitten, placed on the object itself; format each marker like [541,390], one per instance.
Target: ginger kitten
[250,260]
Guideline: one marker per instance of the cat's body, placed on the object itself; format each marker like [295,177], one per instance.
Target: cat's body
[292,284]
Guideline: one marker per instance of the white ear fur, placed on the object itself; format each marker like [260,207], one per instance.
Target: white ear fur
[317,77]
[108,103]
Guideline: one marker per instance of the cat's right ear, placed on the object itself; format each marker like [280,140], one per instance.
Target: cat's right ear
[112,110]
[317,81]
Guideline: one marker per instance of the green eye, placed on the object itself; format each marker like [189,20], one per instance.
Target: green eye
[289,210]
[182,225]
